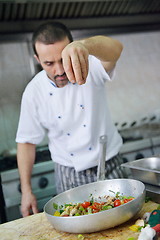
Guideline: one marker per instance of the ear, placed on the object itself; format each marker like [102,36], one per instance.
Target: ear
[36,57]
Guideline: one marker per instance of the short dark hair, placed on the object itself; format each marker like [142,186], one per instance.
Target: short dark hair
[50,33]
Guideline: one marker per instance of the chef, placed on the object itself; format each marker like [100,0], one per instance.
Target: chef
[67,101]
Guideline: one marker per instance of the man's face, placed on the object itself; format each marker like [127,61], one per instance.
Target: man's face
[49,56]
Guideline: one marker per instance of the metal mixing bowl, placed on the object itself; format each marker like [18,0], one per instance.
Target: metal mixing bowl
[101,220]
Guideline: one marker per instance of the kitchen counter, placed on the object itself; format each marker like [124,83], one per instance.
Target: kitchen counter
[36,227]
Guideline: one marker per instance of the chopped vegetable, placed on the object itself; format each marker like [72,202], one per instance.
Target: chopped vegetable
[57,213]
[128,199]
[134,228]
[96,206]
[138,226]
[86,204]
[90,210]
[55,205]
[80,237]
[106,207]
[117,203]
[131,238]
[81,208]
[92,206]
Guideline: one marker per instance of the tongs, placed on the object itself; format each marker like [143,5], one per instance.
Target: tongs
[102,159]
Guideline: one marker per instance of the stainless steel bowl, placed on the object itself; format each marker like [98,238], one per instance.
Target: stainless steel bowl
[146,170]
[102,220]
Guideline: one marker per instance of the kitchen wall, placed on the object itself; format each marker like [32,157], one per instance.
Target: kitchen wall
[132,95]
[15,72]
[135,93]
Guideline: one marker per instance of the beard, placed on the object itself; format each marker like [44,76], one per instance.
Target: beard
[60,80]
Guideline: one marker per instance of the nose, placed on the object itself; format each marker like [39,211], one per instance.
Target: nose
[59,69]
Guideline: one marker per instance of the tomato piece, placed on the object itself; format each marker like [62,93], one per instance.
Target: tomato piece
[117,203]
[127,200]
[96,206]
[96,210]
[131,199]
[86,204]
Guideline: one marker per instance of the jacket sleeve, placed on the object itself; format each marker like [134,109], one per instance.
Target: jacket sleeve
[30,129]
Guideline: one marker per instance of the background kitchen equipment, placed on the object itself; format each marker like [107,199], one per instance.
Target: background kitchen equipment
[146,170]
[42,183]
[25,16]
[102,220]
[144,148]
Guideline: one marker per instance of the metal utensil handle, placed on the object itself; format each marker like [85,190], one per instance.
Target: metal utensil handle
[101,163]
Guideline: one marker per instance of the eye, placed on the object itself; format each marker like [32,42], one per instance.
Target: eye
[48,63]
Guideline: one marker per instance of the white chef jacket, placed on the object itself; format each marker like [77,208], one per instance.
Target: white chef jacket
[74,117]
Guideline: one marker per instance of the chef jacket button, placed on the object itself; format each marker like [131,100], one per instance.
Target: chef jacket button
[82,106]
[72,154]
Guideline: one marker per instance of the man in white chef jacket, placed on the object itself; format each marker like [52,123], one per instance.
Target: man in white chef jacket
[67,101]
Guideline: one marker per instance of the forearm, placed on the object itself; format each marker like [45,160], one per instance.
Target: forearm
[75,56]
[25,159]
[104,48]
